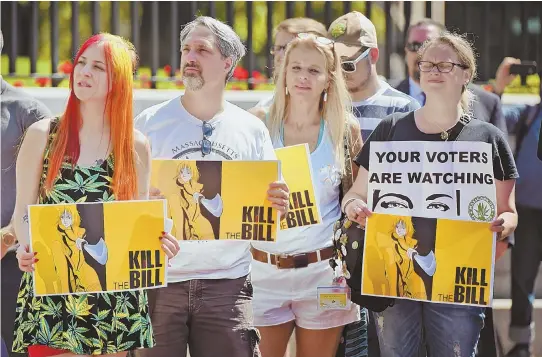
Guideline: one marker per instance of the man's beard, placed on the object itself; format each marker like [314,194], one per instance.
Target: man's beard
[358,87]
[193,82]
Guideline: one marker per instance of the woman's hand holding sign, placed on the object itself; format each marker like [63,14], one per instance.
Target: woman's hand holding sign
[279,196]
[357,211]
[498,226]
[26,258]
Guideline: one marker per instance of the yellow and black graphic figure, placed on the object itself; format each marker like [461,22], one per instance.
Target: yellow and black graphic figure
[69,248]
[409,283]
[195,225]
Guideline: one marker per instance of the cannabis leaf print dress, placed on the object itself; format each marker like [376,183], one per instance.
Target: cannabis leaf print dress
[84,323]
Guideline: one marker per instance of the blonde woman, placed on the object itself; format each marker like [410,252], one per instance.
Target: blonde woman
[447,66]
[311,105]
[285,32]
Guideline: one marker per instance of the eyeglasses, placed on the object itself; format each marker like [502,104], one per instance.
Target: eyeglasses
[350,66]
[206,146]
[319,39]
[442,67]
[413,46]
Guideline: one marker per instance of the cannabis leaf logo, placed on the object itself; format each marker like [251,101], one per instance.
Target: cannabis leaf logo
[481,209]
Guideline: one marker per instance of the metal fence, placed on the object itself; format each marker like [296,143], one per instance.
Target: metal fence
[22,20]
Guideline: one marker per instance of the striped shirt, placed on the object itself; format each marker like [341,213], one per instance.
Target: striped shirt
[385,101]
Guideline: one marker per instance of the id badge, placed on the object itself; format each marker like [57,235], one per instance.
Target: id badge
[334,298]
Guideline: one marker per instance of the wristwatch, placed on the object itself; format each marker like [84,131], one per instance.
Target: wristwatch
[8,238]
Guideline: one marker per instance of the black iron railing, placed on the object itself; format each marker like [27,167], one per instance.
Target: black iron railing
[498,29]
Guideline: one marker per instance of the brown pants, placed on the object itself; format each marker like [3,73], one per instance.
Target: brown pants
[211,317]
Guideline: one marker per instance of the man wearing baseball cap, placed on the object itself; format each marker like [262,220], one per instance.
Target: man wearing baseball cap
[373,100]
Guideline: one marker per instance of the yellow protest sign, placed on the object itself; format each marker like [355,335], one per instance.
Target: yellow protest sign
[428,259]
[297,172]
[210,200]
[98,247]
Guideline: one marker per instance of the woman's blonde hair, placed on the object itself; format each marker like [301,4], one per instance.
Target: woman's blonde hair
[465,53]
[190,165]
[336,110]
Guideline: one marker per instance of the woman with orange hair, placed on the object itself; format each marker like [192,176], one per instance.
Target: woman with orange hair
[91,153]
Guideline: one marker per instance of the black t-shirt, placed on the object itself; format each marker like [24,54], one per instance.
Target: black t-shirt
[402,127]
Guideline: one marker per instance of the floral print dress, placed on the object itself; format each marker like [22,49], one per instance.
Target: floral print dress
[86,323]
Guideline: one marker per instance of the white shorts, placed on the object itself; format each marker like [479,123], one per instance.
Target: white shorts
[283,295]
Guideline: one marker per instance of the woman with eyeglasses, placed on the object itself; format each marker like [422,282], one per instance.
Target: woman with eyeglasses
[447,66]
[312,106]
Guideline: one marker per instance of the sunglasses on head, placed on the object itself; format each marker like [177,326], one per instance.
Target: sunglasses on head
[319,39]
[414,46]
[206,145]
[350,66]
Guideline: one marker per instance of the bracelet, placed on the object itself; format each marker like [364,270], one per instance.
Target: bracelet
[350,200]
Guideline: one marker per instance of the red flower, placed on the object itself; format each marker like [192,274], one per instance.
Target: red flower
[18,84]
[240,73]
[258,77]
[43,81]
[167,69]
[65,67]
[145,81]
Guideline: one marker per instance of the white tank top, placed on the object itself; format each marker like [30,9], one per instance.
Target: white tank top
[327,178]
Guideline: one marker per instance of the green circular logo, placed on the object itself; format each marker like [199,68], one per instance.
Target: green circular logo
[481,209]
[338,30]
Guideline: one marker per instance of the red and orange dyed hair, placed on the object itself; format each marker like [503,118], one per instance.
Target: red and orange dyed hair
[120,58]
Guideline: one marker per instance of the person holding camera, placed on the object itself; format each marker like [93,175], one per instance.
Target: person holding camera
[524,126]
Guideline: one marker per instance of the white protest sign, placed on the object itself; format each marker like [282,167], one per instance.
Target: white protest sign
[452,180]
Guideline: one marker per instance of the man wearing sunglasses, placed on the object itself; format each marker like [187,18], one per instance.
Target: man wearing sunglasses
[486,106]
[373,100]
[207,304]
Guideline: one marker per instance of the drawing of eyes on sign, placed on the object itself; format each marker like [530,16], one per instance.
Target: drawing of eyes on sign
[451,180]
[429,236]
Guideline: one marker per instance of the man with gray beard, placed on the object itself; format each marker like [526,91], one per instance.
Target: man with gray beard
[207,304]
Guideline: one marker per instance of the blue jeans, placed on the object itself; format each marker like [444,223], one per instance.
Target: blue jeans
[526,259]
[449,330]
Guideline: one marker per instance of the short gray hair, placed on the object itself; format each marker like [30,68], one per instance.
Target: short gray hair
[228,42]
